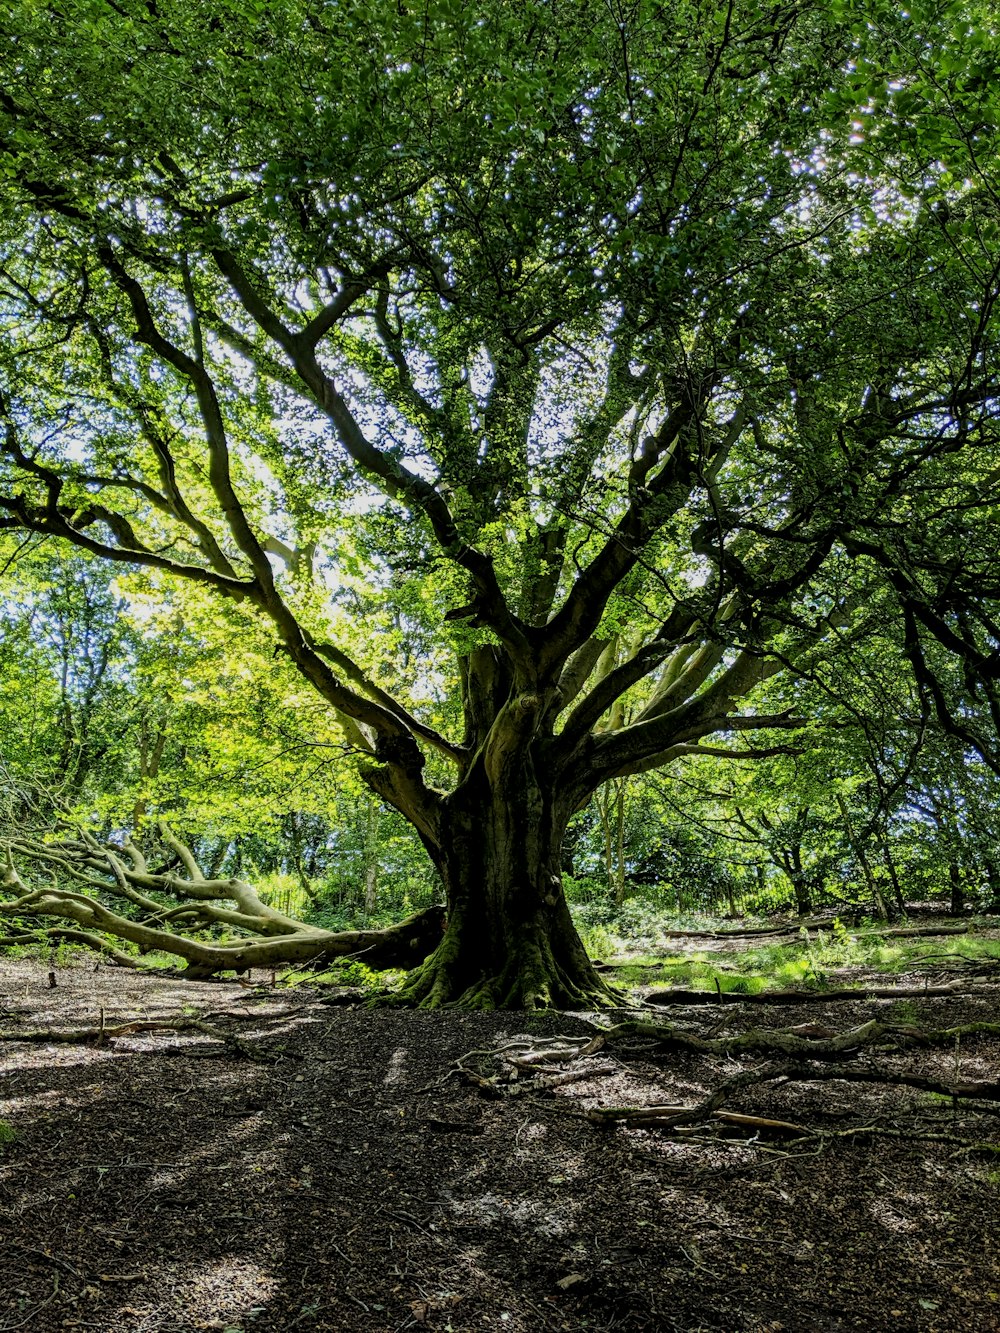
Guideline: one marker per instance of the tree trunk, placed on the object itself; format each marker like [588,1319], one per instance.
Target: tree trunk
[371,856]
[878,901]
[620,844]
[510,941]
[800,883]
[611,810]
[956,905]
[897,888]
[993,880]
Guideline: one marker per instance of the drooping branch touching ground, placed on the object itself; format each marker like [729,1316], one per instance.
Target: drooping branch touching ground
[108,890]
[63,935]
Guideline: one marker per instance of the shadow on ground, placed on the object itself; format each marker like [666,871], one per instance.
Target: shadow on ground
[339,1180]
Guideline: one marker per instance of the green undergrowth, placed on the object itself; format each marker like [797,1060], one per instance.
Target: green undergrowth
[608,930]
[351,972]
[819,961]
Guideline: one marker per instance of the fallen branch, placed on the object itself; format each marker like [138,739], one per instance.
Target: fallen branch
[534,1057]
[676,995]
[102,1035]
[900,932]
[813,923]
[752,932]
[638,1117]
[785,1042]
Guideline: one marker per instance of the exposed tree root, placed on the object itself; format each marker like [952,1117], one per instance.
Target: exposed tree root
[709,1108]
[533,1065]
[963,1146]
[786,1042]
[533,979]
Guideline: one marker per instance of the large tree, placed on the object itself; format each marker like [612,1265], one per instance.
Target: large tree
[616,347]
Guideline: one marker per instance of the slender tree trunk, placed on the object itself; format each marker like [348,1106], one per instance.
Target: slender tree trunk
[993,880]
[150,757]
[957,904]
[897,888]
[876,893]
[296,842]
[620,844]
[761,877]
[800,883]
[371,856]
[509,941]
[731,898]
[611,809]
[604,812]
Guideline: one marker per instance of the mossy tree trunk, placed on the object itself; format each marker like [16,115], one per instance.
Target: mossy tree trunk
[526,766]
[510,941]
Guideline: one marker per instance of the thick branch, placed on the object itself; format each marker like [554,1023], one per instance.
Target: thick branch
[392,476]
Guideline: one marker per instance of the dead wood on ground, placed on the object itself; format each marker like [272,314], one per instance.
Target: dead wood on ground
[678,995]
[543,1066]
[104,1035]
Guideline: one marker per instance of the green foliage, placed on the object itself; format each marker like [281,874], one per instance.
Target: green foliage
[598,941]
[359,974]
[813,960]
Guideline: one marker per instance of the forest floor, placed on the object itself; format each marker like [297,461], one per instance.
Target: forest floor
[295,1165]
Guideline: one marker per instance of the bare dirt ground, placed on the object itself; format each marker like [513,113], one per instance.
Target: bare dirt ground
[326,1173]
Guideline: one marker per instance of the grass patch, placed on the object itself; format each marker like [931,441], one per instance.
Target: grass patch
[351,972]
[810,961]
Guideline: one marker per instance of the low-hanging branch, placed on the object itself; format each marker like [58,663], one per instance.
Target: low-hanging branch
[215,925]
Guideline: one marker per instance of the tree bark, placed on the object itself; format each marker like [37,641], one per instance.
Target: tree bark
[371,856]
[857,847]
[897,888]
[956,905]
[800,882]
[509,941]
[993,880]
